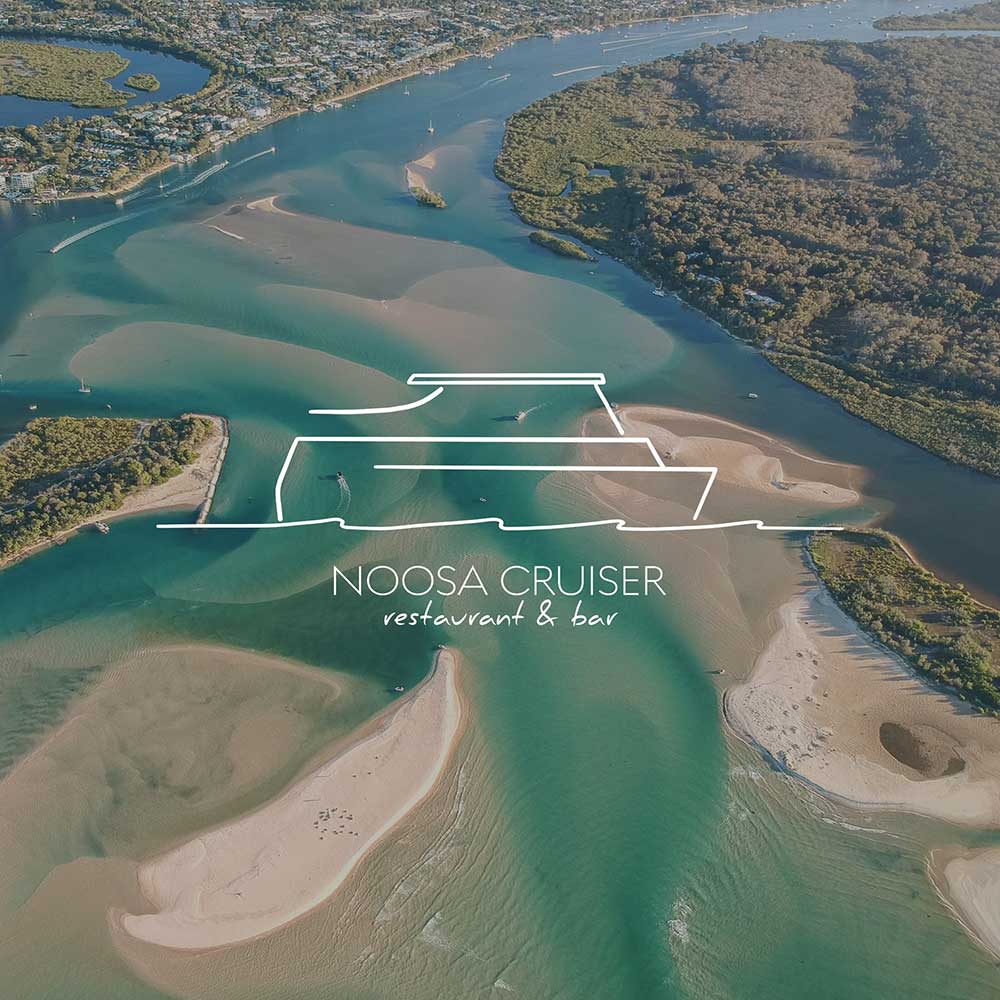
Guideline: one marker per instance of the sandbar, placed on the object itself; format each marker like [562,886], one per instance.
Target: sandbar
[830,706]
[969,884]
[739,452]
[254,875]
[416,171]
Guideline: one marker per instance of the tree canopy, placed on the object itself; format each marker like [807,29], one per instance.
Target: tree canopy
[837,204]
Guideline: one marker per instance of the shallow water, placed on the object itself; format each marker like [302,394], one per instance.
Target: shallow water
[600,836]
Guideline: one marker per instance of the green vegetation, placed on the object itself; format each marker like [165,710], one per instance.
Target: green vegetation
[979,17]
[937,627]
[428,198]
[836,204]
[59,471]
[61,73]
[562,247]
[143,81]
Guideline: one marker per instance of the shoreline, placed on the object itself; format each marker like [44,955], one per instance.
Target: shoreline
[319,107]
[187,489]
[816,706]
[260,872]
[968,885]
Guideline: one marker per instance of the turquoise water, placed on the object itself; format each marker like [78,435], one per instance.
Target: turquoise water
[611,843]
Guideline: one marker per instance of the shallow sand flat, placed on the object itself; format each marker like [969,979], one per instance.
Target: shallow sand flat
[325,252]
[252,876]
[167,742]
[417,171]
[827,704]
[745,458]
[969,882]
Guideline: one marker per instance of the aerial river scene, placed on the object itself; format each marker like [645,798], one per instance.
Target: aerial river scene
[230,770]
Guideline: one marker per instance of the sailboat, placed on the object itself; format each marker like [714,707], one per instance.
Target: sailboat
[406,91]
[430,127]
[83,387]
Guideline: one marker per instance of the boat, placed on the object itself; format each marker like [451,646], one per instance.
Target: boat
[406,92]
[399,689]
[83,387]
[33,406]
[752,395]
[102,527]
[430,127]
[659,293]
[520,415]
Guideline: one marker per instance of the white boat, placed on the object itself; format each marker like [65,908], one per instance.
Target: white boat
[406,92]
[83,387]
[430,127]
[752,395]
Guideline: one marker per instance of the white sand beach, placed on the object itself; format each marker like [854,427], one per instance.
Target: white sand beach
[969,883]
[417,171]
[255,874]
[831,707]
[699,439]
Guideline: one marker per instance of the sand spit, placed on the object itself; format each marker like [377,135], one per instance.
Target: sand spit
[269,205]
[969,884]
[832,708]
[417,170]
[260,872]
[698,439]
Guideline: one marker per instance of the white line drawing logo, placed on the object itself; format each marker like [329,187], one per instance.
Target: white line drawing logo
[439,382]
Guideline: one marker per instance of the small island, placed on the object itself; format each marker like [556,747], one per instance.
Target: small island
[143,81]
[45,72]
[428,198]
[60,473]
[564,248]
[935,626]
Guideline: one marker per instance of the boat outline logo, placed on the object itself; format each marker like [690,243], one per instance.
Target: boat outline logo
[437,383]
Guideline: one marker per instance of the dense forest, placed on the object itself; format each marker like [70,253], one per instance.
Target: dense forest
[937,627]
[59,471]
[978,17]
[837,204]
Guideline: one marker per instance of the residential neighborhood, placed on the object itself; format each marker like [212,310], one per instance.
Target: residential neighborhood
[267,60]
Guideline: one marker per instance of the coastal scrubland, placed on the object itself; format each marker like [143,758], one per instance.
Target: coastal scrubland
[565,248]
[836,204]
[143,81]
[936,626]
[61,73]
[428,198]
[978,17]
[60,471]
